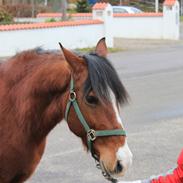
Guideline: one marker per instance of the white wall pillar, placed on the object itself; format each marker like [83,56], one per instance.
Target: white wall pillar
[98,11]
[108,24]
[171,20]
[104,12]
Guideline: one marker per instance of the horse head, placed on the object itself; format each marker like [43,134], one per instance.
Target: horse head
[96,92]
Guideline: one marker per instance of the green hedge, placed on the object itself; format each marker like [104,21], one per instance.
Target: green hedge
[5,17]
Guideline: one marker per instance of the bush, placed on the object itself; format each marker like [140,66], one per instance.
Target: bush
[5,17]
[23,10]
[50,20]
[181,18]
[82,6]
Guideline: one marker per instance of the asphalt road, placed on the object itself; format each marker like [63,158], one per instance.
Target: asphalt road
[153,119]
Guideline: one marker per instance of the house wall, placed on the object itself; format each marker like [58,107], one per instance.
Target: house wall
[138,27]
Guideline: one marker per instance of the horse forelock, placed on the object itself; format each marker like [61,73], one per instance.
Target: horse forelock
[102,78]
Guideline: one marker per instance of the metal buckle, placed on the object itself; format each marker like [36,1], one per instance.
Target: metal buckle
[91,135]
[72,96]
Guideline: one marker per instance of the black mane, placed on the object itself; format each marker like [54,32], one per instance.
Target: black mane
[102,77]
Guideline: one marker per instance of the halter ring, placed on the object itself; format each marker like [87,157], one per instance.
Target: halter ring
[72,96]
[91,135]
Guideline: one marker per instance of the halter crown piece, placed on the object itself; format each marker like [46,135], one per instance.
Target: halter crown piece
[90,133]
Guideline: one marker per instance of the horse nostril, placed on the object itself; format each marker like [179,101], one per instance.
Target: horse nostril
[119,167]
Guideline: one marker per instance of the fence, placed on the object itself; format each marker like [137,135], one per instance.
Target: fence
[85,33]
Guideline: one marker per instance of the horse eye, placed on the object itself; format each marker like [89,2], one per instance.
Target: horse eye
[92,100]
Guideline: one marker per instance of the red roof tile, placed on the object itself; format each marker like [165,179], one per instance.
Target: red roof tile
[169,2]
[48,25]
[99,6]
[55,15]
[39,15]
[151,14]
[81,15]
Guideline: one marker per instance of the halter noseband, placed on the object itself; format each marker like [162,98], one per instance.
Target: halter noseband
[91,133]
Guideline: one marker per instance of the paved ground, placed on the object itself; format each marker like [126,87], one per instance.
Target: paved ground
[153,119]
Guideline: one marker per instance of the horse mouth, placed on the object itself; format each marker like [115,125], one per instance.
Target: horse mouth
[109,175]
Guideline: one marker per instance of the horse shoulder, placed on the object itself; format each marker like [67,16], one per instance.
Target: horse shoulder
[21,170]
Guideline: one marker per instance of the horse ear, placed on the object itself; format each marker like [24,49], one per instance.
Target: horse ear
[73,60]
[101,48]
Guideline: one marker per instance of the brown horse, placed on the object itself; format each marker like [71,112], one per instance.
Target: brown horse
[38,88]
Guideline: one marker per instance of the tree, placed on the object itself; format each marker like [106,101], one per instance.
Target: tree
[14,2]
[64,9]
[33,7]
[1,2]
[82,6]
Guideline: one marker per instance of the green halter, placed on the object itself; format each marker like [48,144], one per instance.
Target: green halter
[91,133]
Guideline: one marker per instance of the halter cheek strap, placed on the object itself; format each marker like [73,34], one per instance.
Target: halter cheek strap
[90,133]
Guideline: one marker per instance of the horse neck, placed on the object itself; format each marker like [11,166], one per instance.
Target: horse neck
[42,99]
[52,101]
